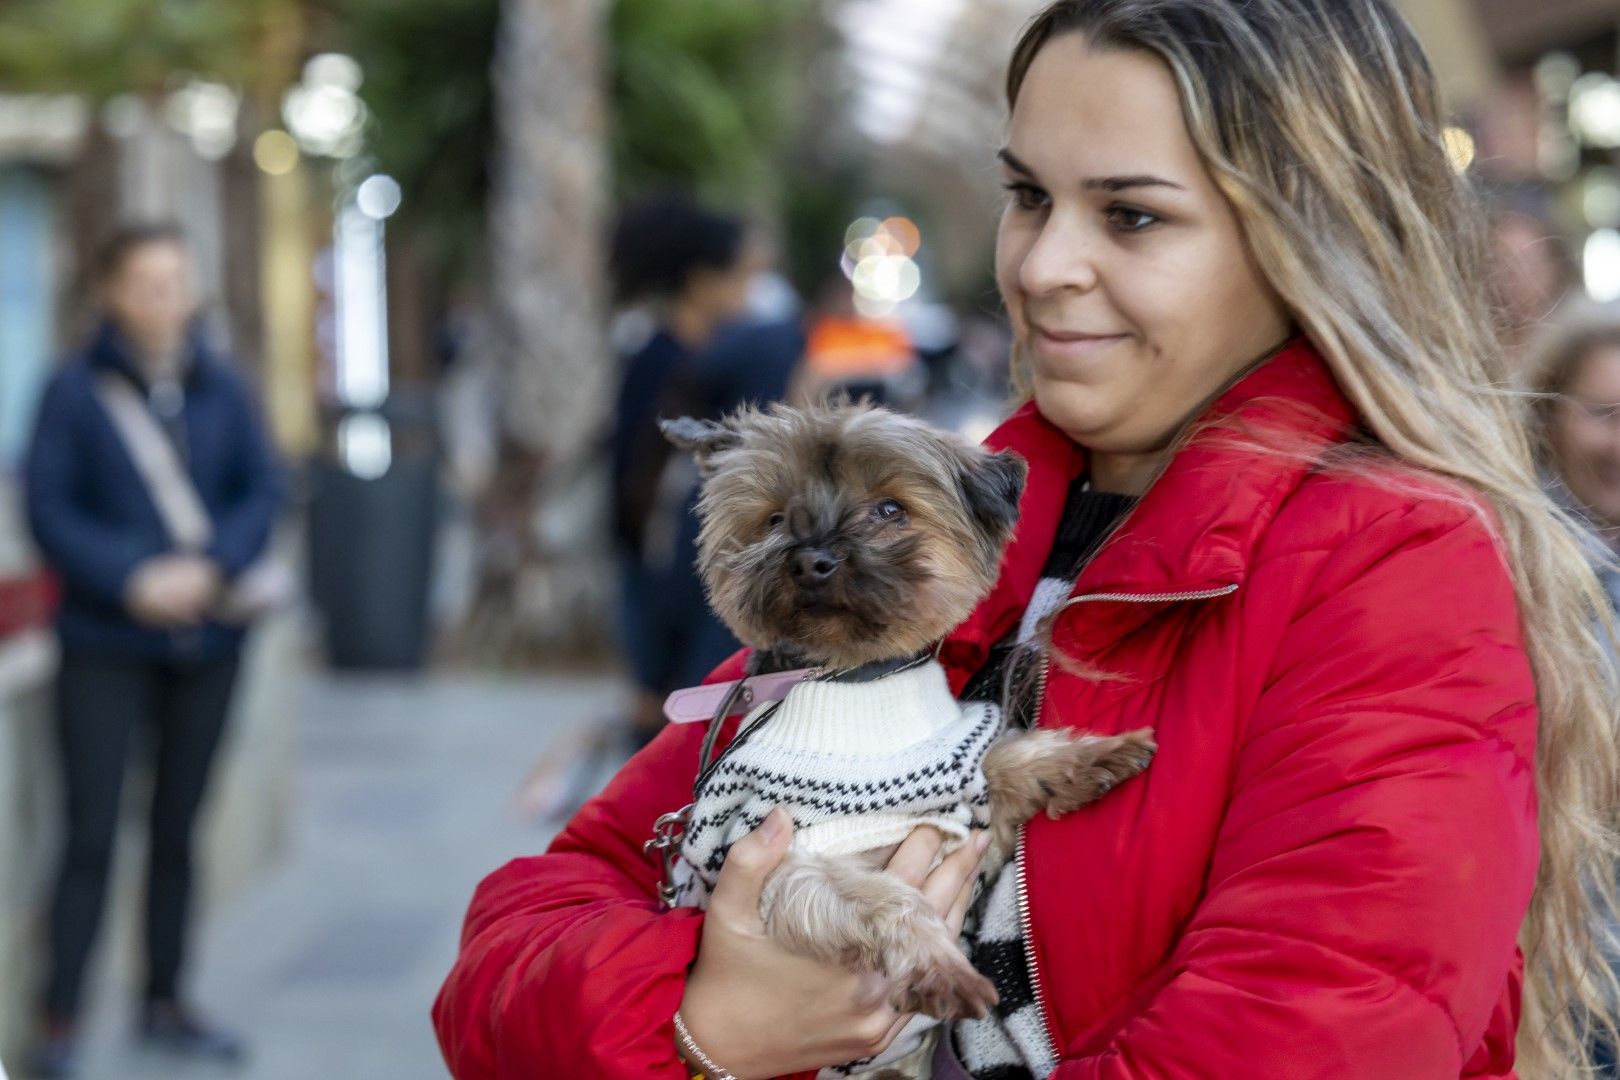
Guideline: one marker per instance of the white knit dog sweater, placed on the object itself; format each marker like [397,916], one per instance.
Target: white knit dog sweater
[858,766]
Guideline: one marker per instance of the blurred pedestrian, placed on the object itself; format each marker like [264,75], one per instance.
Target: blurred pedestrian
[1575,372]
[1531,271]
[151,490]
[690,268]
[683,276]
[868,357]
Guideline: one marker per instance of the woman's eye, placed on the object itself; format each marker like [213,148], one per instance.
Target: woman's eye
[775,520]
[1128,219]
[1026,196]
[887,510]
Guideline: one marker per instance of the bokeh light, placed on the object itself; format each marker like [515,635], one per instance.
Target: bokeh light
[378,196]
[1459,146]
[1594,110]
[324,112]
[275,152]
[878,262]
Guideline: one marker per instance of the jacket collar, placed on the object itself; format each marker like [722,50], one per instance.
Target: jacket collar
[1197,527]
[110,350]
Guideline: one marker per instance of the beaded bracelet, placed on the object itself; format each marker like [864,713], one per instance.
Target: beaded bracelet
[711,1071]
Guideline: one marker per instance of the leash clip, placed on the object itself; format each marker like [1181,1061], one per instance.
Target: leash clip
[668,831]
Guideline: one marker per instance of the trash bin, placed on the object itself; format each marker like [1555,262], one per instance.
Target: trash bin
[373,519]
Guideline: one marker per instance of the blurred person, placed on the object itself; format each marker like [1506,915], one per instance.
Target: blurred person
[690,269]
[751,360]
[1576,378]
[152,623]
[1532,273]
[1575,375]
[681,272]
[1271,514]
[869,358]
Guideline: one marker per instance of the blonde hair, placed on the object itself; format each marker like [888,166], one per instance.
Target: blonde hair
[1321,123]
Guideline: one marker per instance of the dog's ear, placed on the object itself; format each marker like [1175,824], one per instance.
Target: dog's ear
[700,437]
[991,484]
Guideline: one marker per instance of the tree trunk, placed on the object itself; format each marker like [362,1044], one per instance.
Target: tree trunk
[544,579]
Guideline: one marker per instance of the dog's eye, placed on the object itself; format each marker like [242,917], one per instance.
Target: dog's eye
[775,520]
[887,510]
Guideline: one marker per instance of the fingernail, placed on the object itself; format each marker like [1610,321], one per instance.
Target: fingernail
[775,823]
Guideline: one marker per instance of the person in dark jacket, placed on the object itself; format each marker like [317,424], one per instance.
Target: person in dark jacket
[140,639]
[691,268]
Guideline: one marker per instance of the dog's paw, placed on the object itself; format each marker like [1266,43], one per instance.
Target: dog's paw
[949,989]
[1095,765]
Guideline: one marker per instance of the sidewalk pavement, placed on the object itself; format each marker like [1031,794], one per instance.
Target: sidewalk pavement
[329,963]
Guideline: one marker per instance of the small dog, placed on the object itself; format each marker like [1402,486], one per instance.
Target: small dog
[855,539]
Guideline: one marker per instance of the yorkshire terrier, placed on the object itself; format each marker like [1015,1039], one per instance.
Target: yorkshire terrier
[854,539]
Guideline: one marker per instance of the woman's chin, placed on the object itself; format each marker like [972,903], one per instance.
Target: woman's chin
[1078,411]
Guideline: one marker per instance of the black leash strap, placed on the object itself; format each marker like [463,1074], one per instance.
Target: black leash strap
[670,829]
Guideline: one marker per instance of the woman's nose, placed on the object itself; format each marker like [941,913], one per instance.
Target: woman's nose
[1061,257]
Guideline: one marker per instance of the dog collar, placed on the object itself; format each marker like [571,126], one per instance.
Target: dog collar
[879,669]
[698,703]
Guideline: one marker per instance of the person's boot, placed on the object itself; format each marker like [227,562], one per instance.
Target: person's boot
[56,1055]
[172,1029]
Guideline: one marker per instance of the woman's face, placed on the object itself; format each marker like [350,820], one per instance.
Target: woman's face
[1586,435]
[151,296]
[1124,272]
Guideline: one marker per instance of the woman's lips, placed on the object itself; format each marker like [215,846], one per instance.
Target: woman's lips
[1071,345]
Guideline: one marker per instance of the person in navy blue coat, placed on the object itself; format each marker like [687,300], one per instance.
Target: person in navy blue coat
[142,645]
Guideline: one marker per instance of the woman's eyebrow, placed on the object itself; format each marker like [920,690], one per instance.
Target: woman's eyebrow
[1095,183]
[1012,162]
[1120,183]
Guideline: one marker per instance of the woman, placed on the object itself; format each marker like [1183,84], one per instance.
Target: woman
[1531,271]
[1248,292]
[1576,374]
[145,641]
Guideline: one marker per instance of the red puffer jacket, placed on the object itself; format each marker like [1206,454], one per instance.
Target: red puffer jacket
[1322,874]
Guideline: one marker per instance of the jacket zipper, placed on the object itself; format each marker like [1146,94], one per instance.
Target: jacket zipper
[1022,880]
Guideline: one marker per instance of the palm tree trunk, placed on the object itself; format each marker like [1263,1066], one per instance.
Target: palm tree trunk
[545,577]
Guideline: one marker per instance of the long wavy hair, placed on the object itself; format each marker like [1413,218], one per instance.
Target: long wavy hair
[1321,123]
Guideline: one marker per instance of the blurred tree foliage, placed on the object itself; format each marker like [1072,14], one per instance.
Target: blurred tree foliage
[702,95]
[106,47]
[728,98]
[427,72]
[710,95]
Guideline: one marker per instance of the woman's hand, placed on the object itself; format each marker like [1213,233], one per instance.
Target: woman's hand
[760,1011]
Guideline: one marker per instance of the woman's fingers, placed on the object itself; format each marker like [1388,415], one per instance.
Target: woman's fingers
[748,863]
[958,912]
[943,886]
[900,1022]
[915,855]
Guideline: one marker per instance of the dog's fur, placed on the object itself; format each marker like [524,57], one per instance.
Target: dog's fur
[914,523]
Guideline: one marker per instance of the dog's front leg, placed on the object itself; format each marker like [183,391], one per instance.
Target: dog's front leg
[836,909]
[1055,770]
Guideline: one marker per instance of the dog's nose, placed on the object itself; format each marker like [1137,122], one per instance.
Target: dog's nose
[812,566]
